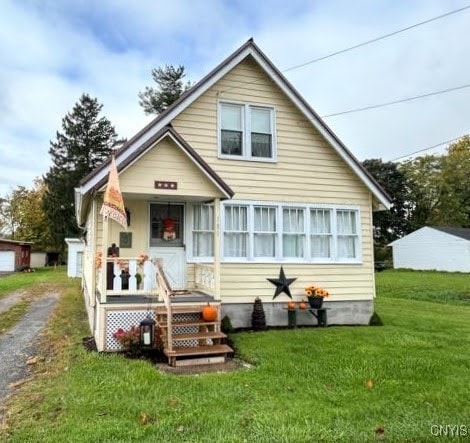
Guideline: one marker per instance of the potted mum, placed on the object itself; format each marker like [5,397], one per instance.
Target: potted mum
[315,296]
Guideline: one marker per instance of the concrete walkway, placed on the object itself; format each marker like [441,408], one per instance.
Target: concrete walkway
[19,343]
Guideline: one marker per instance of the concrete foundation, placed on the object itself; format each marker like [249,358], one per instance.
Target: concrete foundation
[356,312]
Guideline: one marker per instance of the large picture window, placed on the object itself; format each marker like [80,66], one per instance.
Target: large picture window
[286,233]
[246,131]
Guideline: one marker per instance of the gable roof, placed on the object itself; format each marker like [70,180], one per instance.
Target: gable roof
[16,242]
[150,131]
[457,232]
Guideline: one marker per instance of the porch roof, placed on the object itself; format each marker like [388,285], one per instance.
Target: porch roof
[97,179]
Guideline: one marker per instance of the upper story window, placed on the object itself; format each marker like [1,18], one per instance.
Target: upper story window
[246,131]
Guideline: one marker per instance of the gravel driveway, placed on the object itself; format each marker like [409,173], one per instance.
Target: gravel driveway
[19,343]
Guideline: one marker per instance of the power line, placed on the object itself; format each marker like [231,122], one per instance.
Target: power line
[426,149]
[382,37]
[403,100]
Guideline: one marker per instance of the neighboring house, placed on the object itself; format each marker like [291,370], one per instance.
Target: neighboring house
[38,259]
[433,248]
[234,180]
[14,255]
[74,256]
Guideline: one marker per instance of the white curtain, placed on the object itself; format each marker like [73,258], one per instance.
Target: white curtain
[236,231]
[321,236]
[347,234]
[293,238]
[264,231]
[203,231]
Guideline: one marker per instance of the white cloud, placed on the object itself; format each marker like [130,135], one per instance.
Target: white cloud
[53,50]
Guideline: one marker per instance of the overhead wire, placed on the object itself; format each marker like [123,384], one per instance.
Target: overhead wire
[394,102]
[427,149]
[382,37]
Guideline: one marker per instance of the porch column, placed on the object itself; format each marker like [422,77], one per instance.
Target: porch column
[217,248]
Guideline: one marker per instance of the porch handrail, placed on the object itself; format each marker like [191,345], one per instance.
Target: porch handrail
[165,290]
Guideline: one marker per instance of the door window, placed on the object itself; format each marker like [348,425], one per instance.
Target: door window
[166,224]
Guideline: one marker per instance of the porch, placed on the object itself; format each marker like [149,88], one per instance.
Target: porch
[124,299]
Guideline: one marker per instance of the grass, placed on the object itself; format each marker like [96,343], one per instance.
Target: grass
[13,315]
[348,384]
[24,280]
[424,285]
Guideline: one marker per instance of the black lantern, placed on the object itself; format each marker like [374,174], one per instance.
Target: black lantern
[147,332]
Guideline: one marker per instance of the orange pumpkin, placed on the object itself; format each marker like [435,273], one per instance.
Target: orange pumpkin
[302,305]
[209,312]
[291,305]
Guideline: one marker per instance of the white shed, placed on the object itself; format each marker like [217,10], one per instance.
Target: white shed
[433,248]
[74,256]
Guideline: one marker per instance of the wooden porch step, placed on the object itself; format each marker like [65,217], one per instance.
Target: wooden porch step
[198,350]
[196,335]
[161,310]
[201,322]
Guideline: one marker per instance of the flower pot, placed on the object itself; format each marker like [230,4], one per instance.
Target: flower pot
[315,302]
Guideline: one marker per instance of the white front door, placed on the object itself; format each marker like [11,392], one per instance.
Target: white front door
[174,264]
[167,241]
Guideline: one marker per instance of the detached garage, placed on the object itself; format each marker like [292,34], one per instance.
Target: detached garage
[14,254]
[433,248]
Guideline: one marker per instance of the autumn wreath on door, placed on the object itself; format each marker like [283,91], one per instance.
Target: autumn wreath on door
[169,232]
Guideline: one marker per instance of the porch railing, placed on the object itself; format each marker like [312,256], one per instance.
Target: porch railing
[127,276]
[164,290]
[204,278]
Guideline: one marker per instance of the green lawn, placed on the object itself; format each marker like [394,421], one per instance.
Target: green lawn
[24,280]
[307,385]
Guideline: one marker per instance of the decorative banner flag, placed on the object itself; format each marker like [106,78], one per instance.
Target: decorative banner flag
[113,204]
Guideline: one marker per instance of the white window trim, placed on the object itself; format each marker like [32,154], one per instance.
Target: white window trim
[278,258]
[190,258]
[246,130]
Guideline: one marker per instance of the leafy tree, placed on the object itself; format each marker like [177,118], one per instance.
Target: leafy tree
[454,209]
[86,141]
[10,211]
[23,216]
[392,224]
[425,177]
[170,87]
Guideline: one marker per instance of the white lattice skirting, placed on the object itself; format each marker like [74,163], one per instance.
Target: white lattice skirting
[124,319]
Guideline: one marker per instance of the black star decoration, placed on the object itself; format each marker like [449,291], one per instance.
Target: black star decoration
[282,284]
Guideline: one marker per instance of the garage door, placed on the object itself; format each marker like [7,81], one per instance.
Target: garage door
[7,261]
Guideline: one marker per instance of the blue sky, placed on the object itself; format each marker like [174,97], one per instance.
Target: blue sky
[54,50]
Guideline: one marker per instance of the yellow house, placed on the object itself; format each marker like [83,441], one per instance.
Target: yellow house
[237,178]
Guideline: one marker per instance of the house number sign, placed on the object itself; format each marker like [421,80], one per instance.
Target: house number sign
[173,186]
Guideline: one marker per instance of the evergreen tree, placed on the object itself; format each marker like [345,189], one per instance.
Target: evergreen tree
[170,87]
[86,141]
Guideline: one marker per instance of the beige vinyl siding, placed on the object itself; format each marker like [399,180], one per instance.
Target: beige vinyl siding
[307,170]
[167,162]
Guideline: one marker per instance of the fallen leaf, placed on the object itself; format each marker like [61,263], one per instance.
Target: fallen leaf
[32,360]
[145,419]
[379,433]
[369,384]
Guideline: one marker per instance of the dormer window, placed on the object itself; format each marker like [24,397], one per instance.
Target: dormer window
[246,131]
